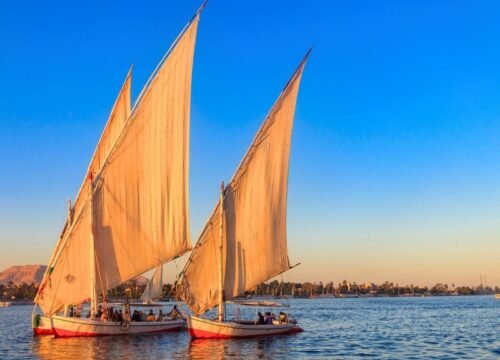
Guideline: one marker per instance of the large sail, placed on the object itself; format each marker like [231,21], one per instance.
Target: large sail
[74,261]
[141,196]
[154,288]
[254,235]
[140,191]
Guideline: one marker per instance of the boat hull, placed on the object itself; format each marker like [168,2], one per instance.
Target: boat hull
[43,326]
[207,329]
[77,327]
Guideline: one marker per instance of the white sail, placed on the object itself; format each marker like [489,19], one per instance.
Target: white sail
[140,191]
[74,261]
[141,196]
[154,288]
[254,229]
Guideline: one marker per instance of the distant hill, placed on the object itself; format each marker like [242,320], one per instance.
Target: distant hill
[23,274]
[34,273]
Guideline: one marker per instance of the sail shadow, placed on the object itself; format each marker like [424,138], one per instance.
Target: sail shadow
[105,259]
[234,281]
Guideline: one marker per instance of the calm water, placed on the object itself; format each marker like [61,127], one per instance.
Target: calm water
[410,328]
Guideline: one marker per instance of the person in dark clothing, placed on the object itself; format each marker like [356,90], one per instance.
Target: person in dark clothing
[99,312]
[268,319]
[260,320]
[136,316]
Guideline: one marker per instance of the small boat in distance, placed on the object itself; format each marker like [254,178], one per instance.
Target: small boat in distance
[154,287]
[131,213]
[497,296]
[243,243]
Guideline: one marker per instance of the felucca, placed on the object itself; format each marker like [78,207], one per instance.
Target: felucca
[244,240]
[154,288]
[131,213]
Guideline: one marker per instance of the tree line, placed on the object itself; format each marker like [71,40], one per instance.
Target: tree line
[134,290]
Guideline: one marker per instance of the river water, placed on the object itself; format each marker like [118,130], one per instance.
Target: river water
[392,328]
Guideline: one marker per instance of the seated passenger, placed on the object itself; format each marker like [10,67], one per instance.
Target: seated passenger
[104,316]
[151,316]
[260,320]
[268,319]
[99,312]
[126,316]
[144,316]
[136,316]
[117,317]
[160,316]
[174,313]
[282,318]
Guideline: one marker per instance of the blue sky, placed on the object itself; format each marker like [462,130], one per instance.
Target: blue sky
[395,165]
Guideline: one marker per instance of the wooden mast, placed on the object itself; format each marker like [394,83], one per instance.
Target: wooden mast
[93,292]
[221,315]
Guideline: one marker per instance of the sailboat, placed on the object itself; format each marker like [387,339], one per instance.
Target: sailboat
[154,288]
[131,213]
[244,240]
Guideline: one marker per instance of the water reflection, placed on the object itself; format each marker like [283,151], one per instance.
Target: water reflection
[262,348]
[454,327]
[131,347]
[48,347]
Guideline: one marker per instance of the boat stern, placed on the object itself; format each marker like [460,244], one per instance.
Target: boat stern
[42,325]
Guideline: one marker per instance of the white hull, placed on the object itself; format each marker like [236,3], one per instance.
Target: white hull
[208,329]
[70,326]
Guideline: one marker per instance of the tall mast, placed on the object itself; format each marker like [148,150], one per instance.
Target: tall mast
[220,315]
[92,283]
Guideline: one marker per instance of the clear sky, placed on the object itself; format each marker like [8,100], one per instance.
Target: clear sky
[395,164]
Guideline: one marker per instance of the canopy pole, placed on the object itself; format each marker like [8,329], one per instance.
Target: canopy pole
[221,314]
[93,292]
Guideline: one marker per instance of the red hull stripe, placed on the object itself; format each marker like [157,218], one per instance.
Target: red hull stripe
[40,331]
[69,333]
[202,334]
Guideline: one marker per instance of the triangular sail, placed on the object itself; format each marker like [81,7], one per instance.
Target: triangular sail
[254,235]
[154,288]
[140,196]
[75,259]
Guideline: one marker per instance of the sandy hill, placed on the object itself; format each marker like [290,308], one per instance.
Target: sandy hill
[23,274]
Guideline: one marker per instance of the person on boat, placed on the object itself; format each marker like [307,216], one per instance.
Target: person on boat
[260,320]
[160,316]
[79,309]
[99,312]
[126,315]
[111,314]
[174,313]
[273,317]
[151,316]
[268,320]
[70,312]
[144,316]
[88,315]
[104,316]
[136,316]
[117,316]
[283,319]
